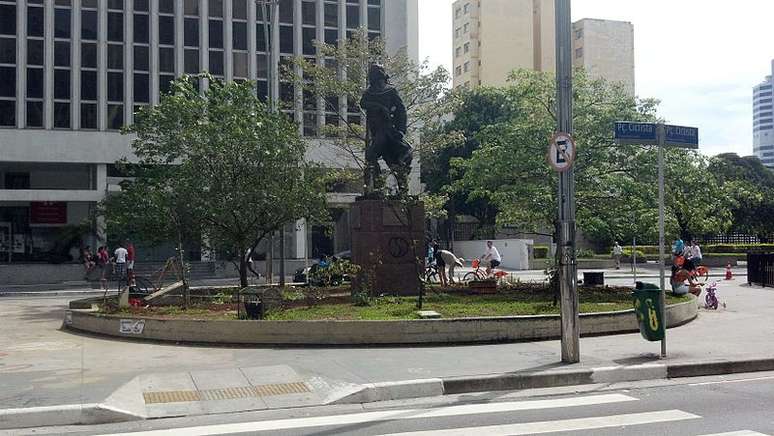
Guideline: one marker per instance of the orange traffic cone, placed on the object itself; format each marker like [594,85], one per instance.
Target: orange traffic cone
[729,274]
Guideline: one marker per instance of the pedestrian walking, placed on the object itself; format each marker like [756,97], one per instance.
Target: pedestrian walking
[617,252]
[130,257]
[103,259]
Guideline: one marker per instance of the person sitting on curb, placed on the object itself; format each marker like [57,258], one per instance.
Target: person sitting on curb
[678,281]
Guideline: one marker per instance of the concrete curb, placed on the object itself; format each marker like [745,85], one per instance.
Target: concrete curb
[432,387]
[70,414]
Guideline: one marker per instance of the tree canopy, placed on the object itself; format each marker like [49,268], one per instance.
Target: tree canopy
[218,163]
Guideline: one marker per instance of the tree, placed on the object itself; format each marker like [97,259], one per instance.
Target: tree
[509,168]
[749,186]
[218,162]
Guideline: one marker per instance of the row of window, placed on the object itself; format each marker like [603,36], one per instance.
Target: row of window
[459,50]
[463,10]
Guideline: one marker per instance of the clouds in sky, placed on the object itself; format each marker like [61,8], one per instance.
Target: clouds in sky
[701,58]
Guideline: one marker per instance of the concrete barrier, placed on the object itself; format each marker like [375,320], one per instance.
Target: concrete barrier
[435,331]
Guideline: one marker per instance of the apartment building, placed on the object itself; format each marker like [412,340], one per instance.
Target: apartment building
[605,49]
[491,38]
[72,72]
[763,120]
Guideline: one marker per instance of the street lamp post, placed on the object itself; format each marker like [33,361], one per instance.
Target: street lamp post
[269,10]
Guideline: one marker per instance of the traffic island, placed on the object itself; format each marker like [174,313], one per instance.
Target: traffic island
[507,316]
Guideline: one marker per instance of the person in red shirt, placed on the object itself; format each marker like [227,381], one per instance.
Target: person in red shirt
[130,254]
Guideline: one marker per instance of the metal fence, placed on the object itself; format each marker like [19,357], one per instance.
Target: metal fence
[760,269]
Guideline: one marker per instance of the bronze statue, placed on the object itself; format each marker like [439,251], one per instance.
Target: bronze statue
[386,126]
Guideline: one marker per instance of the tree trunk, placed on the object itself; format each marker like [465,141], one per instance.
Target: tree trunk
[181,265]
[242,268]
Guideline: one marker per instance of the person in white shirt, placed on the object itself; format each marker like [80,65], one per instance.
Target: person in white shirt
[692,255]
[617,252]
[449,260]
[491,258]
[120,259]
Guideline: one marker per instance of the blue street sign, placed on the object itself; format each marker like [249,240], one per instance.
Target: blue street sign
[679,136]
[640,133]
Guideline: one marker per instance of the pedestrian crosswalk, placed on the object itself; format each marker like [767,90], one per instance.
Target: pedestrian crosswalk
[436,421]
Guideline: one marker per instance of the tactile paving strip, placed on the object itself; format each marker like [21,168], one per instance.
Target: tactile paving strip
[225,393]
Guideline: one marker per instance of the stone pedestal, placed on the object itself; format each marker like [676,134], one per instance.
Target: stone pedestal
[388,246]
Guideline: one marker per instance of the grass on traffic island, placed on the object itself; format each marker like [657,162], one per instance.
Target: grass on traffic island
[510,300]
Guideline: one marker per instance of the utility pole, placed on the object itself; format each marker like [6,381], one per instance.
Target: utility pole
[568,268]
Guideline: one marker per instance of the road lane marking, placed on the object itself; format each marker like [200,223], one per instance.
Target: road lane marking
[738,433]
[741,380]
[387,415]
[563,425]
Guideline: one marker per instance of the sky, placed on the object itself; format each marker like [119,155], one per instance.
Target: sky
[701,58]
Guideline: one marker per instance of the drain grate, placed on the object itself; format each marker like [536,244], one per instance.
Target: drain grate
[164,397]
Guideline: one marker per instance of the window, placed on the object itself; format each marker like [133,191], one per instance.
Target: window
[141,57]
[216,34]
[458,71]
[7,19]
[309,34]
[191,7]
[239,34]
[458,52]
[115,56]
[61,115]
[7,50]
[35,21]
[115,116]
[579,34]
[191,61]
[168,6]
[579,53]
[467,47]
[191,32]
[62,54]
[374,19]
[166,60]
[88,92]
[89,25]
[457,32]
[89,55]
[466,28]
[115,26]
[353,17]
[115,86]
[34,113]
[166,30]
[286,39]
[61,23]
[286,11]
[141,88]
[8,82]
[216,62]
[35,52]
[216,8]
[88,116]
[309,13]
[331,15]
[467,67]
[466,8]
[458,13]
[239,9]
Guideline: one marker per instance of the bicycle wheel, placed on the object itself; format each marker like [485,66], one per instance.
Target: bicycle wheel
[431,275]
[469,277]
[142,286]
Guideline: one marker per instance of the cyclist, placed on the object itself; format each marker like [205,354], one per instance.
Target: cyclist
[491,258]
[692,255]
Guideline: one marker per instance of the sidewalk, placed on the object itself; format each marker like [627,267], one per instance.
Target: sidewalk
[43,366]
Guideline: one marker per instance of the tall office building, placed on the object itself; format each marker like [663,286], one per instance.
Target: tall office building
[605,49]
[763,120]
[72,72]
[494,37]
[491,38]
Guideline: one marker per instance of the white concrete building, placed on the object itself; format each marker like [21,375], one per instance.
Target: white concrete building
[73,71]
[763,120]
[605,49]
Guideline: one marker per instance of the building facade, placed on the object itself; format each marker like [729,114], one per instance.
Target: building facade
[605,49]
[72,72]
[491,38]
[763,120]
[494,37]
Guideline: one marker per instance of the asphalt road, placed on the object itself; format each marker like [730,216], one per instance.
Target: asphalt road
[739,405]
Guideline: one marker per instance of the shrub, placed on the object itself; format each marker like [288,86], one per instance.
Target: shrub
[540,251]
[584,253]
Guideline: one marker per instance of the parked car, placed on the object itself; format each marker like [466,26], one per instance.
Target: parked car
[301,274]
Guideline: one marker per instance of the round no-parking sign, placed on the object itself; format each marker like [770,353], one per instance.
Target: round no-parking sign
[561,152]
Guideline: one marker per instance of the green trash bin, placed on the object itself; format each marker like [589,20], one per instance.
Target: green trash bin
[647,306]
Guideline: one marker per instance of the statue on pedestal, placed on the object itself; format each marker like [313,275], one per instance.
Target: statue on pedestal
[386,132]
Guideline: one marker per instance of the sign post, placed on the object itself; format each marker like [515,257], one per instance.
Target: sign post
[662,136]
[562,159]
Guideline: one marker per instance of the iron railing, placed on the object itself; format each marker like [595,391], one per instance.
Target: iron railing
[760,269]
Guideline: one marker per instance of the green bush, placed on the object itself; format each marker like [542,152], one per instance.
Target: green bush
[628,253]
[584,253]
[540,251]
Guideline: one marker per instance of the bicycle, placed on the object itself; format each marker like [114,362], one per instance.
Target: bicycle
[711,299]
[432,274]
[480,274]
